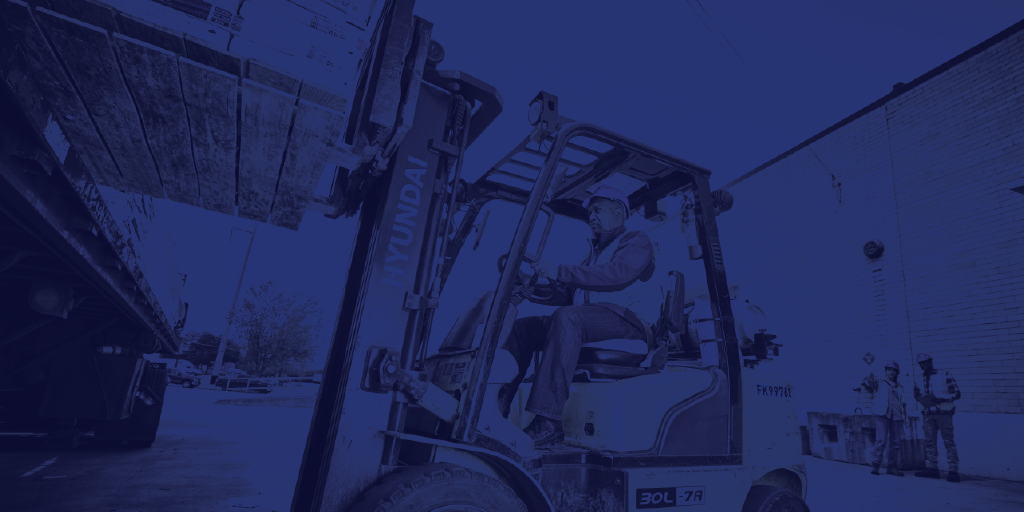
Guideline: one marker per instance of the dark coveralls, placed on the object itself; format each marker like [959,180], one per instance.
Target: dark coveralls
[561,335]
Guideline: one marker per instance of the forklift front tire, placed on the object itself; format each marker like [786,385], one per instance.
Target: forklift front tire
[437,485]
[768,498]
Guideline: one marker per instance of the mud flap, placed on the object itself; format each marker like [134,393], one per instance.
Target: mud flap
[142,425]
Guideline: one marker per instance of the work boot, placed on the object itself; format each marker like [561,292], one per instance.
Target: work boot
[893,470]
[953,477]
[928,473]
[505,396]
[874,468]
[545,432]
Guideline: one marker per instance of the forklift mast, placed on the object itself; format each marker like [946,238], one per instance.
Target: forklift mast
[405,194]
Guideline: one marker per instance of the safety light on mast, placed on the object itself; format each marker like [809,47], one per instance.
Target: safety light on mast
[543,116]
[536,109]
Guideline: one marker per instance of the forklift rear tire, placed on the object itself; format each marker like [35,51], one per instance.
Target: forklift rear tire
[440,486]
[768,498]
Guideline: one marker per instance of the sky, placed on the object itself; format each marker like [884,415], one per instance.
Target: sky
[652,71]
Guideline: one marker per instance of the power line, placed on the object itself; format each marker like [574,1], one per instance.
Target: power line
[712,32]
[748,70]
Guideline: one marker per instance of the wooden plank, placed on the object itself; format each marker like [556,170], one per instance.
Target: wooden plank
[211,100]
[323,96]
[87,11]
[214,56]
[315,132]
[70,112]
[314,15]
[266,118]
[163,16]
[161,37]
[304,66]
[265,74]
[152,75]
[280,25]
[89,58]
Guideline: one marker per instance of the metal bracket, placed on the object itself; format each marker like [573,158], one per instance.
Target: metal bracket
[413,302]
[443,147]
[31,152]
[763,344]
[381,369]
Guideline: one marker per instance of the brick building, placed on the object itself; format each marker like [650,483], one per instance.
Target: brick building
[929,171]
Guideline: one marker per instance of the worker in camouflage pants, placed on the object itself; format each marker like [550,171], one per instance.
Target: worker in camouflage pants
[937,417]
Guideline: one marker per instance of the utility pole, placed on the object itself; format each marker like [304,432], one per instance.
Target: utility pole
[231,313]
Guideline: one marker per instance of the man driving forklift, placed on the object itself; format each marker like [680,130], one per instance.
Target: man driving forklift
[605,297]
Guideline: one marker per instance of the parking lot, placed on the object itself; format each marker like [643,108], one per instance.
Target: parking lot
[211,457]
[207,457]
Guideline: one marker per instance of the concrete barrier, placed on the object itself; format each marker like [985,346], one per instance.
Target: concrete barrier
[851,437]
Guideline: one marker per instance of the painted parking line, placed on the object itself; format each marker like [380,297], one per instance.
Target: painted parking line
[40,468]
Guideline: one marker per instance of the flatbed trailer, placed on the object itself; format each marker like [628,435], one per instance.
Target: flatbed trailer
[76,310]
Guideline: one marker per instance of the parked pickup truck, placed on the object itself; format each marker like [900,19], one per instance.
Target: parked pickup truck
[243,383]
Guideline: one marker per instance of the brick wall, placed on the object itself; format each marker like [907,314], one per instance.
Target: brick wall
[927,171]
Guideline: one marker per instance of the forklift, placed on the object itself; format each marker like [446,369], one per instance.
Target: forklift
[396,427]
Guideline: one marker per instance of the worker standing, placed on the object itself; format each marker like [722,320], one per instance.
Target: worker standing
[937,417]
[890,412]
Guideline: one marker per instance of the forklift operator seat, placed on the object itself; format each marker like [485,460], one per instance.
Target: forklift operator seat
[624,358]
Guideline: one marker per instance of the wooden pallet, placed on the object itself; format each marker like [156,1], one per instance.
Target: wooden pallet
[175,115]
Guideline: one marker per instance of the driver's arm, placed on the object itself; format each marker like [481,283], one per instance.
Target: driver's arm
[560,294]
[633,257]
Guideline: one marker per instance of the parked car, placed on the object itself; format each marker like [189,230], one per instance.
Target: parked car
[176,376]
[239,382]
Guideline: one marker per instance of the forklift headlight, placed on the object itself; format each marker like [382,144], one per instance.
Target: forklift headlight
[536,109]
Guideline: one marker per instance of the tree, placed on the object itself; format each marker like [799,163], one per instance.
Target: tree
[276,330]
[200,348]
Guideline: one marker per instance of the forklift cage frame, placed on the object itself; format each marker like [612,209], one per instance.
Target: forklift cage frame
[676,175]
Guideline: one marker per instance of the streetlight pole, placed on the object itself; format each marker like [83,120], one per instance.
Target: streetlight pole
[231,313]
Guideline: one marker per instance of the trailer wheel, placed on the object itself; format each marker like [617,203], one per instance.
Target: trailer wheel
[440,487]
[767,498]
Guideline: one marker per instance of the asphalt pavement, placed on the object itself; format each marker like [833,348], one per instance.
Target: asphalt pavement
[211,457]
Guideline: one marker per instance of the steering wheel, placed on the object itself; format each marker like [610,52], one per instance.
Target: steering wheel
[523,279]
